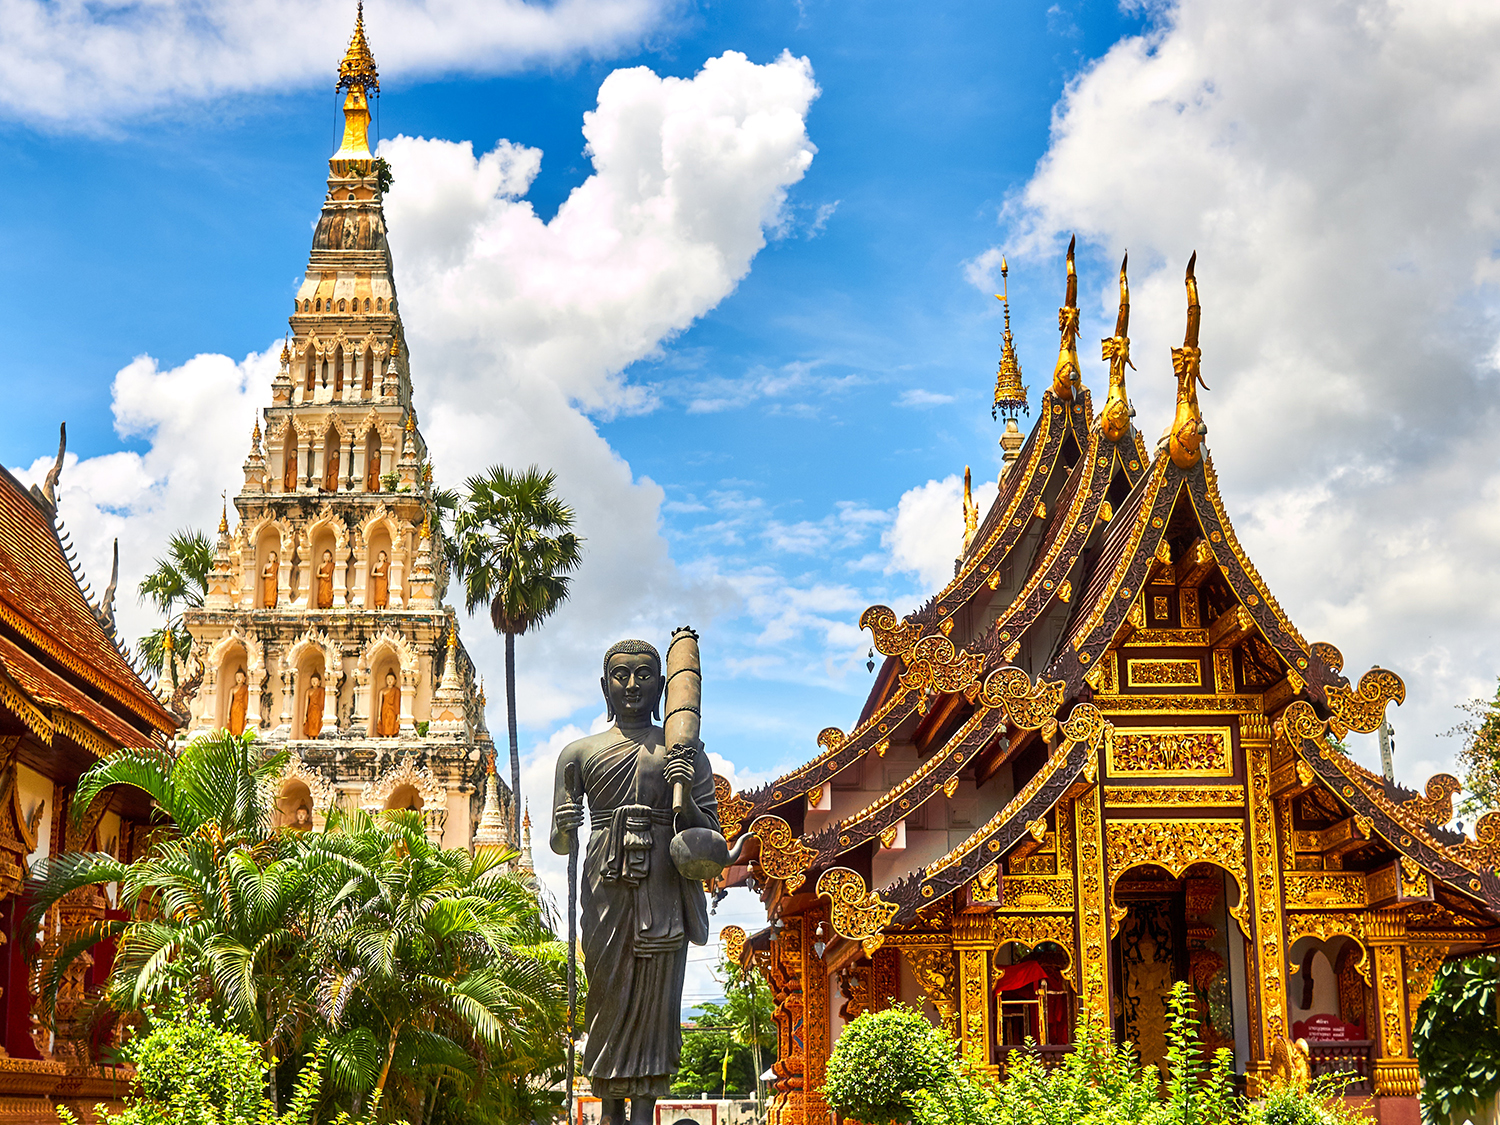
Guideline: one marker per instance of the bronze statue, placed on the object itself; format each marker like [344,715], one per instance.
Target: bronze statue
[239,703]
[325,581]
[312,722]
[388,722]
[638,911]
[380,580]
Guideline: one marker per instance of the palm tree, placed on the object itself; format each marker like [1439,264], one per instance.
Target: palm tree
[180,579]
[514,548]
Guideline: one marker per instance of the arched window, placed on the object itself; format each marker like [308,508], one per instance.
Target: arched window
[307,306]
[319,304]
[341,306]
[367,304]
[379,304]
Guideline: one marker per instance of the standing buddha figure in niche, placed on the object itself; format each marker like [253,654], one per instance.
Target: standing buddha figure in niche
[239,702]
[380,581]
[312,722]
[269,580]
[289,457]
[325,581]
[331,468]
[372,468]
[388,724]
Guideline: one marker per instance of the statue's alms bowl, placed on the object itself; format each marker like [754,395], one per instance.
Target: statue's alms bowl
[699,853]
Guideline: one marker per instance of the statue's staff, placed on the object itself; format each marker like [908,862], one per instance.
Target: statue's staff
[573,784]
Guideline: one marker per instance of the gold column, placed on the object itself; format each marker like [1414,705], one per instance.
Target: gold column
[1093,936]
[974,941]
[1268,975]
[814,1019]
[1395,1069]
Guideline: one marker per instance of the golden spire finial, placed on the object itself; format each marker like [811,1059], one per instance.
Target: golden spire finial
[452,630]
[426,532]
[526,817]
[255,438]
[286,354]
[1186,435]
[1010,393]
[971,510]
[224,513]
[1114,421]
[411,422]
[1067,376]
[358,75]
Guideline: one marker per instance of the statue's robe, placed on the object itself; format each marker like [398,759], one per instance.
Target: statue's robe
[636,912]
[239,704]
[372,471]
[312,723]
[380,578]
[325,585]
[289,471]
[331,470]
[389,723]
[268,583]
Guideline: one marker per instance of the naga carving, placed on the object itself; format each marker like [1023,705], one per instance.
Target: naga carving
[1364,710]
[1067,378]
[1185,439]
[856,912]
[1114,420]
[1029,706]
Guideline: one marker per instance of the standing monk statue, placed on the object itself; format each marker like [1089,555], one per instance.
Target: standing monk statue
[637,912]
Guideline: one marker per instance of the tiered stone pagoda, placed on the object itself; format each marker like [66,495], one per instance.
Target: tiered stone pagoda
[1103,759]
[324,627]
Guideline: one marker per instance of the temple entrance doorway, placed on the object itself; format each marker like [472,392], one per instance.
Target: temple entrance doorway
[1178,929]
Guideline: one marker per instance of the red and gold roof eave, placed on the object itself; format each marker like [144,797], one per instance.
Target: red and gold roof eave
[1003,528]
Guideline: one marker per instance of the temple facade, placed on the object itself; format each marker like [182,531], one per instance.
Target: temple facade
[324,628]
[1102,760]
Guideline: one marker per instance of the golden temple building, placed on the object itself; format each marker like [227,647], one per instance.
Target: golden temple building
[1100,761]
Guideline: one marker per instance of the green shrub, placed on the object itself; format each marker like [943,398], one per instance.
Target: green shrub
[1097,1082]
[1456,1038]
[1321,1103]
[883,1060]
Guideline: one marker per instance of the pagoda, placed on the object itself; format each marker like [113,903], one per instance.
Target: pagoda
[1102,760]
[324,628]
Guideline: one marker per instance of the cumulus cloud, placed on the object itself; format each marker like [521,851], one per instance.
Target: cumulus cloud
[928,531]
[64,65]
[1336,168]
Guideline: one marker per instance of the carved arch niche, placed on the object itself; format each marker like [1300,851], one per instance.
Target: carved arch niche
[387,651]
[266,537]
[312,652]
[327,533]
[296,786]
[380,531]
[406,786]
[1174,845]
[234,650]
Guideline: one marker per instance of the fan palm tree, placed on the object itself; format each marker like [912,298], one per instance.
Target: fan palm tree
[180,579]
[514,547]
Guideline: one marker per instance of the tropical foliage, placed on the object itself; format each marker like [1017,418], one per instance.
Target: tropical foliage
[432,974]
[726,1049]
[177,582]
[1480,756]
[514,547]
[1456,1038]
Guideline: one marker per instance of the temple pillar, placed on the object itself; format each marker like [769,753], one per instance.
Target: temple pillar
[974,943]
[1395,1069]
[1266,953]
[1093,930]
[815,1020]
[341,579]
[397,580]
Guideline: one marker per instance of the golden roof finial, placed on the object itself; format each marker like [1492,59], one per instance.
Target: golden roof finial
[1186,435]
[426,532]
[452,631]
[1010,393]
[1067,376]
[224,513]
[166,639]
[255,438]
[1114,421]
[481,703]
[971,510]
[358,75]
[286,354]
[411,421]
[526,817]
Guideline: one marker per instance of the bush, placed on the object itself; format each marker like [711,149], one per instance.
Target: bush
[1457,1040]
[1321,1103]
[883,1060]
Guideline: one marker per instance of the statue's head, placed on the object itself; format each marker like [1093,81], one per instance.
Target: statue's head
[382,556]
[239,676]
[316,680]
[272,557]
[632,681]
[390,679]
[303,816]
[327,556]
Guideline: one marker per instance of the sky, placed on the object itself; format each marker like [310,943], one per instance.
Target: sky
[729,270]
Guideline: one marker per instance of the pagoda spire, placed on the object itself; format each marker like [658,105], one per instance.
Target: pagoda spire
[359,75]
[1010,392]
[1185,438]
[1067,378]
[1117,413]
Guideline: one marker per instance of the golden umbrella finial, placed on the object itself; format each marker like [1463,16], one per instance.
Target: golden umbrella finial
[1114,420]
[1010,392]
[358,75]
[358,65]
[1185,438]
[1067,378]
[224,513]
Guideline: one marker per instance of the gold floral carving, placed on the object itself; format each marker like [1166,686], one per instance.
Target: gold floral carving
[1175,751]
[1176,845]
[1093,941]
[1029,706]
[1364,710]
[856,913]
[1224,671]
[1255,740]
[1437,806]
[1033,929]
[1422,964]
[1164,673]
[1325,926]
[1182,704]
[732,809]
[733,938]
[1168,638]
[1391,999]
[1036,892]
[892,636]
[1085,723]
[1325,889]
[815,1020]
[986,885]
[1329,654]
[1169,796]
[782,855]
[935,972]
[934,664]
[1484,850]
[1300,721]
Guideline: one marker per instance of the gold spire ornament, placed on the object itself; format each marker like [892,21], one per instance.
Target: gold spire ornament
[1114,421]
[1010,393]
[286,355]
[224,513]
[358,75]
[971,511]
[1067,376]
[1185,438]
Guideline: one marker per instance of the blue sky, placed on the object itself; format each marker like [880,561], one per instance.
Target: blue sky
[762,404]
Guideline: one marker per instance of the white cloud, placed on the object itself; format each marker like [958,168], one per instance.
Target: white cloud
[72,64]
[928,531]
[921,399]
[1336,168]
